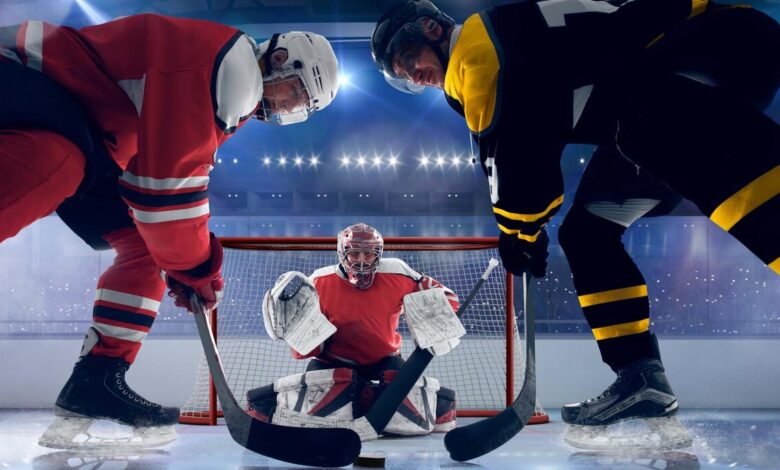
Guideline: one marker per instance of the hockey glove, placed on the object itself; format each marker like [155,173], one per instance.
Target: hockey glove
[519,255]
[205,280]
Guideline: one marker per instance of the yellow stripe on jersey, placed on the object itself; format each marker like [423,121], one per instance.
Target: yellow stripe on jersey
[472,74]
[520,235]
[698,7]
[775,265]
[614,295]
[747,199]
[623,329]
[529,217]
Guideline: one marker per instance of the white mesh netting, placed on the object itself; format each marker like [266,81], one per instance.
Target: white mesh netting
[476,369]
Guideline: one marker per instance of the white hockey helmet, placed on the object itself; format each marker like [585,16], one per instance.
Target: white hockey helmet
[359,250]
[311,59]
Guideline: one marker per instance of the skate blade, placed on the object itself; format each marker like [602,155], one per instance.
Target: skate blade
[72,433]
[660,434]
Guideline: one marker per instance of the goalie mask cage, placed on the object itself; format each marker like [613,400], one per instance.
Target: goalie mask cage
[485,370]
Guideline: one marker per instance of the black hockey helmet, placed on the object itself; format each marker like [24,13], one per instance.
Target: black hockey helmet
[398,29]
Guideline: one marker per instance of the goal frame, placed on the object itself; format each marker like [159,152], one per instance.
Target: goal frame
[210,415]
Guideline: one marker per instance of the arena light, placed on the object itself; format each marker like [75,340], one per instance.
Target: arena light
[456,161]
[298,161]
[361,161]
[94,15]
[392,161]
[377,161]
[314,160]
[345,161]
[424,160]
[267,161]
[282,161]
[439,161]
[345,79]
[235,160]
[582,160]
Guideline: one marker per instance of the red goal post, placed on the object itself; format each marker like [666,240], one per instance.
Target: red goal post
[491,349]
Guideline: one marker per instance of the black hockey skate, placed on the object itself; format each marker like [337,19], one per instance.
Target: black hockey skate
[96,390]
[641,391]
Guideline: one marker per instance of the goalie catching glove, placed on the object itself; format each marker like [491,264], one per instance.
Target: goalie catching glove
[433,324]
[291,311]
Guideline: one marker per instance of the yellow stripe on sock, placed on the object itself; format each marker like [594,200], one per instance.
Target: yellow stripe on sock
[623,329]
[747,199]
[614,295]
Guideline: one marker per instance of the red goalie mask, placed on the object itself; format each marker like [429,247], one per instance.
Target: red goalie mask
[359,251]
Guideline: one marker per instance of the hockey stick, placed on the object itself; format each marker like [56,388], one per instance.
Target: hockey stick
[389,401]
[320,447]
[476,439]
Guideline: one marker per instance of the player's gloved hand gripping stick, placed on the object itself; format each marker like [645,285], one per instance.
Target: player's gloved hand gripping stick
[321,447]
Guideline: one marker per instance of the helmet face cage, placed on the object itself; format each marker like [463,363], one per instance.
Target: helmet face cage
[298,114]
[359,252]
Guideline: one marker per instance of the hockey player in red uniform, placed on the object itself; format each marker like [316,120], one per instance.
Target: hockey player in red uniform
[672,92]
[345,318]
[115,126]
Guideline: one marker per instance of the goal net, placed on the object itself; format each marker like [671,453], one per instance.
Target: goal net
[485,370]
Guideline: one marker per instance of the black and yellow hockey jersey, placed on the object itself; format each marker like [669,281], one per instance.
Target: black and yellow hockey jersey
[521,75]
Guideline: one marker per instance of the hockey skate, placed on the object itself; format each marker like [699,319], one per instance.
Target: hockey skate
[636,412]
[96,391]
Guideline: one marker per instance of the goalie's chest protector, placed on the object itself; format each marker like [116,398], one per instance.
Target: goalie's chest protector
[366,319]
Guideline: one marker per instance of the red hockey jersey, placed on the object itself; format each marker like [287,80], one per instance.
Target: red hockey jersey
[166,92]
[367,319]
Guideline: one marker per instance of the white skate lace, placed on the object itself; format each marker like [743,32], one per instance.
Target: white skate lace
[129,392]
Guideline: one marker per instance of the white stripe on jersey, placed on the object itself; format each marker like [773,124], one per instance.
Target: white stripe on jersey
[118,332]
[147,217]
[135,90]
[555,11]
[33,45]
[147,182]
[130,300]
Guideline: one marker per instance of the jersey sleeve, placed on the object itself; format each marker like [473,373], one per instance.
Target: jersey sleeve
[165,184]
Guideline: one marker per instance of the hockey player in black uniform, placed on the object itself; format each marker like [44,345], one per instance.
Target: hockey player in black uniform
[671,91]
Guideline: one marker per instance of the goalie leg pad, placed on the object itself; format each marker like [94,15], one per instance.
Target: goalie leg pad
[324,393]
[416,415]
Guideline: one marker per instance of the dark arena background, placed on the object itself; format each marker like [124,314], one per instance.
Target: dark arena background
[405,165]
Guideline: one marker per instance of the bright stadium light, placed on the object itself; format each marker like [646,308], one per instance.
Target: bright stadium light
[344,79]
[345,160]
[282,161]
[424,161]
[361,160]
[235,160]
[439,161]
[392,161]
[298,161]
[267,161]
[314,160]
[377,160]
[456,161]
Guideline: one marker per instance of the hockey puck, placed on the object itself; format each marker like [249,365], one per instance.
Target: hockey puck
[372,460]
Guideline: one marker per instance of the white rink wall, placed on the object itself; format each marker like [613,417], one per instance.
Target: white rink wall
[705,373]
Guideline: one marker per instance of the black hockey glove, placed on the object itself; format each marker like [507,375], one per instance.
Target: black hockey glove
[519,255]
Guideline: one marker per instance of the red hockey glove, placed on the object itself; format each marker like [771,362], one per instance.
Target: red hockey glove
[519,255]
[205,280]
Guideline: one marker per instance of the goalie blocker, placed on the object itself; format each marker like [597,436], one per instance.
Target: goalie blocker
[340,397]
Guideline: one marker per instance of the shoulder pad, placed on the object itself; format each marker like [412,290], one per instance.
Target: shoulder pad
[398,266]
[325,271]
[237,83]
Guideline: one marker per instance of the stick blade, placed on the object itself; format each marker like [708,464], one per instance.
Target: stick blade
[304,446]
[477,439]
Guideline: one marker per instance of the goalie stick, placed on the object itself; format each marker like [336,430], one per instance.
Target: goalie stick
[320,447]
[389,401]
[477,439]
